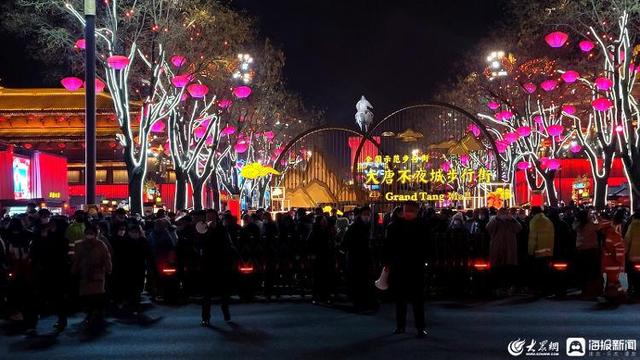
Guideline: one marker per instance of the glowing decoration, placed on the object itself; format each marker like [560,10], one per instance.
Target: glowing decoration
[555,130]
[209,140]
[602,104]
[184,97]
[255,170]
[510,138]
[181,81]
[501,146]
[446,166]
[569,109]
[538,119]
[586,45]
[100,85]
[241,147]
[575,148]
[200,131]
[529,87]
[229,130]
[158,126]
[556,39]
[197,90]
[523,165]
[242,92]
[72,83]
[524,131]
[497,198]
[464,159]
[504,115]
[178,60]
[548,85]
[225,103]
[619,128]
[81,44]
[570,76]
[493,105]
[118,62]
[553,164]
[603,83]
[474,129]
[269,135]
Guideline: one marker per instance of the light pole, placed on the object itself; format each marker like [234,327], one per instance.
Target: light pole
[90,102]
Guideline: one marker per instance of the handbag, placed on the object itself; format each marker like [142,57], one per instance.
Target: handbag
[383,281]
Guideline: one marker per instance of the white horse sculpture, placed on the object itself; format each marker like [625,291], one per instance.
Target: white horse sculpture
[364,116]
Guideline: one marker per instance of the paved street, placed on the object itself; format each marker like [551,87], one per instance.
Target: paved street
[470,330]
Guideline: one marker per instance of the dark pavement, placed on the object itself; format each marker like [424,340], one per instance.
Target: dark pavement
[288,330]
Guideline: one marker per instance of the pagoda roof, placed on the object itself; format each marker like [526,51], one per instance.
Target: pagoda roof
[50,100]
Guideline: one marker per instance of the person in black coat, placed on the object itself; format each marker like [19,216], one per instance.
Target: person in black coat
[131,256]
[51,270]
[217,261]
[358,264]
[405,258]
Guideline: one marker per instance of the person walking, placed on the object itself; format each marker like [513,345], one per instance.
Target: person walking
[359,264]
[217,255]
[541,242]
[92,263]
[405,259]
[587,258]
[503,249]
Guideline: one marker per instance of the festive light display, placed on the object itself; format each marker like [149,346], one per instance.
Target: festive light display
[118,62]
[72,83]
[556,39]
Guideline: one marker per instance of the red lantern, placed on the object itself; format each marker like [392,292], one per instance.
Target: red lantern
[556,39]
[529,87]
[569,109]
[570,76]
[27,146]
[229,130]
[178,60]
[523,165]
[197,90]
[62,145]
[200,131]
[603,83]
[586,45]
[72,83]
[602,104]
[555,130]
[242,92]
[549,85]
[523,131]
[553,164]
[117,62]
[181,81]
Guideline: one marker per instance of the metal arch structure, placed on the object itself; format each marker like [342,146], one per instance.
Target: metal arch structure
[434,104]
[323,128]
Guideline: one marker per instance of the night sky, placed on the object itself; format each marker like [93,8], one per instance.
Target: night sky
[395,52]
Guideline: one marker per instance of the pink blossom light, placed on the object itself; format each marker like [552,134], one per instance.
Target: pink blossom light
[229,130]
[524,131]
[178,60]
[556,39]
[555,130]
[619,128]
[504,115]
[538,119]
[602,104]
[100,85]
[81,44]
[200,131]
[576,148]
[464,159]
[529,87]
[209,140]
[269,135]
[72,83]
[586,45]
[569,109]
[548,85]
[523,165]
[184,97]
[158,126]
[181,81]
[474,129]
[603,83]
[502,146]
[241,147]
[570,76]
[493,105]
[197,90]
[225,103]
[242,92]
[446,166]
[117,62]
[511,137]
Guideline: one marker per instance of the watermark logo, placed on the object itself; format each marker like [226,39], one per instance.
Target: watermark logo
[576,346]
[516,347]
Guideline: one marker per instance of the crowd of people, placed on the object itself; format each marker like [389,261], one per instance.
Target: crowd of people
[55,264]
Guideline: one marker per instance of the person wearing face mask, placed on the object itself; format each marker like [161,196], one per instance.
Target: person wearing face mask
[359,264]
[405,256]
[92,263]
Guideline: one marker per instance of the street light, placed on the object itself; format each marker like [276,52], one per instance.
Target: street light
[244,72]
[495,64]
[90,102]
